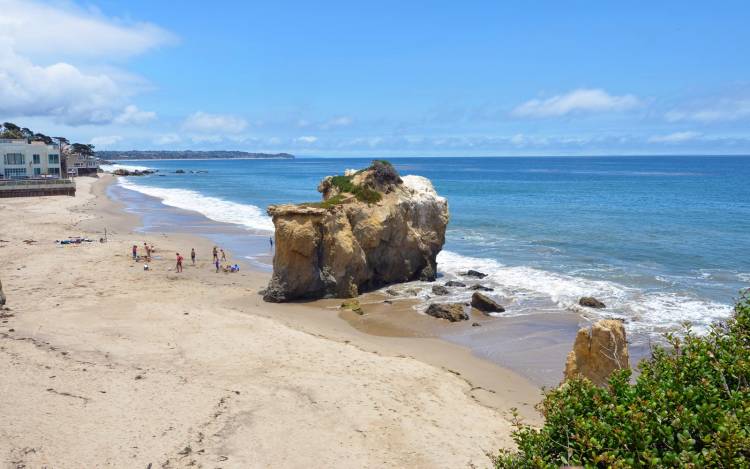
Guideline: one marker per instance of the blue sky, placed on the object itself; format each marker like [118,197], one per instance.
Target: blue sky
[384,78]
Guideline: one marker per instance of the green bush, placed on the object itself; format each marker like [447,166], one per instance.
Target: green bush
[363,194]
[689,407]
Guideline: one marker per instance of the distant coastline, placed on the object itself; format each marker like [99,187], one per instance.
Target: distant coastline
[188,155]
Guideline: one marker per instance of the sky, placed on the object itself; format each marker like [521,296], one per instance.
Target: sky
[386,78]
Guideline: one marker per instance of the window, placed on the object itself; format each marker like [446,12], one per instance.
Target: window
[15,173]
[36,159]
[54,158]
[54,171]
[37,171]
[15,158]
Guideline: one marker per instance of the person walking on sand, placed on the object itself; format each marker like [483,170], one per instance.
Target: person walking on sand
[192,255]
[135,252]
[179,262]
[216,254]
[223,256]
[216,263]
[270,240]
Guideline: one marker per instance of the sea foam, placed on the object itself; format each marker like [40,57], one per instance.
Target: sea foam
[217,209]
[525,290]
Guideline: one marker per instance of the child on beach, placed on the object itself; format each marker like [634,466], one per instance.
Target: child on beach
[135,252]
[179,262]
[216,254]
[216,263]
[192,255]
[223,256]
[270,240]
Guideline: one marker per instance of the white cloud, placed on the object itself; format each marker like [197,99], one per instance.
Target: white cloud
[722,110]
[64,30]
[308,139]
[676,137]
[580,100]
[341,121]
[214,123]
[39,45]
[167,139]
[106,140]
[60,90]
[132,115]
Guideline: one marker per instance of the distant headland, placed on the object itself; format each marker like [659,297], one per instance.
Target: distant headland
[187,155]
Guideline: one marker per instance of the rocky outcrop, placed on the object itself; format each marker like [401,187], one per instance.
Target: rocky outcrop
[440,290]
[453,312]
[453,283]
[475,274]
[485,304]
[598,351]
[373,228]
[126,172]
[591,302]
[481,288]
[2,295]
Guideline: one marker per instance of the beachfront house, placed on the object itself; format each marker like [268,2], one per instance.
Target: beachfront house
[22,159]
[81,165]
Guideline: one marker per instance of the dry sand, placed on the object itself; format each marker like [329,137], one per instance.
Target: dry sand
[106,365]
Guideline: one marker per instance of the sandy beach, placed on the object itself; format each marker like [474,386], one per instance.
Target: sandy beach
[107,365]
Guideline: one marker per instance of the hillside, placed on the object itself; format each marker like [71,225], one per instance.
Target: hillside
[186,155]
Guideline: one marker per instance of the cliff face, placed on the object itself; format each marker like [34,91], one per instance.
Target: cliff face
[598,352]
[372,229]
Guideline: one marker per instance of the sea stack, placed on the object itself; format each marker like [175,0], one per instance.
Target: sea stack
[598,351]
[373,228]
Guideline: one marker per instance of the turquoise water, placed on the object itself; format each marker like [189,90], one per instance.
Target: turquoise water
[661,240]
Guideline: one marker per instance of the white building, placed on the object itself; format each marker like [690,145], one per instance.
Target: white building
[21,159]
[79,165]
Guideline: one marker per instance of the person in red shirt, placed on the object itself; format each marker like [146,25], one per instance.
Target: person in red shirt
[179,262]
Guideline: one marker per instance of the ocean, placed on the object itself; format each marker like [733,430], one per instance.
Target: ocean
[660,240]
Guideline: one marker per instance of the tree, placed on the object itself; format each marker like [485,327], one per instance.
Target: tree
[11,130]
[82,149]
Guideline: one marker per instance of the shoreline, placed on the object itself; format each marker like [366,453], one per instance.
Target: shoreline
[193,368]
[324,316]
[513,342]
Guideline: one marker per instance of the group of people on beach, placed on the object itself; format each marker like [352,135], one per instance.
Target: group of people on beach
[219,258]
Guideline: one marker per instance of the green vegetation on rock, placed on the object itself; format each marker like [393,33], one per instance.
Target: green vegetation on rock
[689,407]
[362,193]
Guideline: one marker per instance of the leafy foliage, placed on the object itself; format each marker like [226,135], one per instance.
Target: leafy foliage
[362,193]
[689,407]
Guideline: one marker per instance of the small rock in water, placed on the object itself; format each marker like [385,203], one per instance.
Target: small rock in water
[481,288]
[475,274]
[591,302]
[451,311]
[392,292]
[439,290]
[485,304]
[475,324]
[388,302]
[453,283]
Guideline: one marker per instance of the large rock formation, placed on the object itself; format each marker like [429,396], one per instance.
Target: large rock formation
[598,351]
[372,228]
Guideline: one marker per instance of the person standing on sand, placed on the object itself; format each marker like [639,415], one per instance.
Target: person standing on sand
[192,255]
[216,254]
[270,240]
[216,263]
[223,256]
[135,252]
[179,262]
